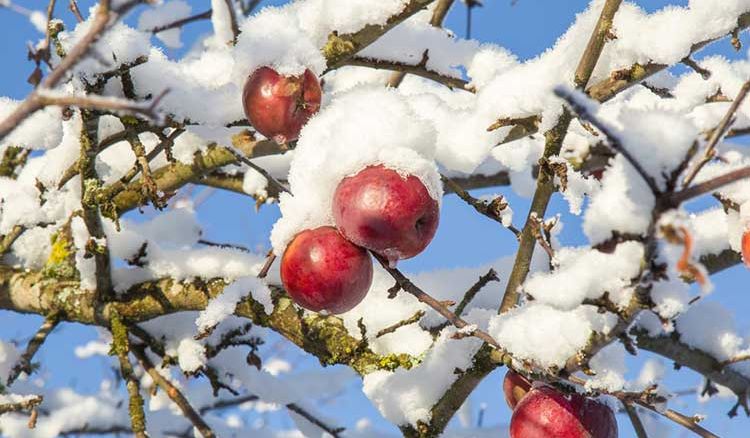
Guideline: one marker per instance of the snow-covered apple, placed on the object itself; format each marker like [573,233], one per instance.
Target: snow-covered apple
[515,387]
[386,212]
[545,412]
[323,271]
[278,106]
[746,247]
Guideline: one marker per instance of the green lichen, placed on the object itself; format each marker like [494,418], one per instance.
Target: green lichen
[637,72]
[337,48]
[60,262]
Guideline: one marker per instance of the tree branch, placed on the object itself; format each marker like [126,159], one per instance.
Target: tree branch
[24,362]
[709,186]
[172,392]
[419,69]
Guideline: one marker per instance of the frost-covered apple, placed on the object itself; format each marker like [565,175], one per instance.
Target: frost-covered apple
[515,387]
[278,106]
[388,213]
[323,271]
[746,248]
[544,412]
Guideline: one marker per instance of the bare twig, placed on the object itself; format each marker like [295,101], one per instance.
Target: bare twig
[24,362]
[101,23]
[172,392]
[640,431]
[271,180]
[392,328]
[438,16]
[718,133]
[335,432]
[267,266]
[407,286]
[614,141]
[419,69]
[46,97]
[182,21]
[688,61]
[709,186]
[73,6]
[491,210]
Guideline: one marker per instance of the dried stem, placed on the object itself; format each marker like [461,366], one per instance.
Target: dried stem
[718,133]
[271,180]
[46,97]
[335,432]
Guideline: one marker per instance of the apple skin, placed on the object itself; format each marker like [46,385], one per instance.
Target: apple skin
[323,271]
[515,387]
[278,106]
[544,412]
[380,210]
[746,247]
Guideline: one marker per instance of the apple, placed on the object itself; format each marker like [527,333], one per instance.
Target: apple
[383,211]
[323,271]
[278,106]
[515,387]
[544,412]
[746,247]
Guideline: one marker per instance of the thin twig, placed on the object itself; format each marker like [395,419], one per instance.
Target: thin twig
[73,6]
[392,328]
[709,185]
[469,295]
[101,22]
[267,265]
[271,180]
[419,69]
[181,22]
[172,392]
[335,432]
[640,431]
[614,141]
[7,240]
[491,210]
[407,286]
[718,133]
[438,16]
[24,362]
[46,97]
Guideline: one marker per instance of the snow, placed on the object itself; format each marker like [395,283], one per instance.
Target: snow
[710,327]
[526,332]
[574,280]
[223,305]
[42,130]
[191,355]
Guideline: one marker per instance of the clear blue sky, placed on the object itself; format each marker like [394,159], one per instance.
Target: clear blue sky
[464,238]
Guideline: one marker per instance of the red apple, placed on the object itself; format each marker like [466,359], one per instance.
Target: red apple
[390,214]
[544,412]
[323,271]
[278,106]
[515,387]
[746,247]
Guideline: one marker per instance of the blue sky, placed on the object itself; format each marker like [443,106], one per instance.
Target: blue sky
[463,239]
